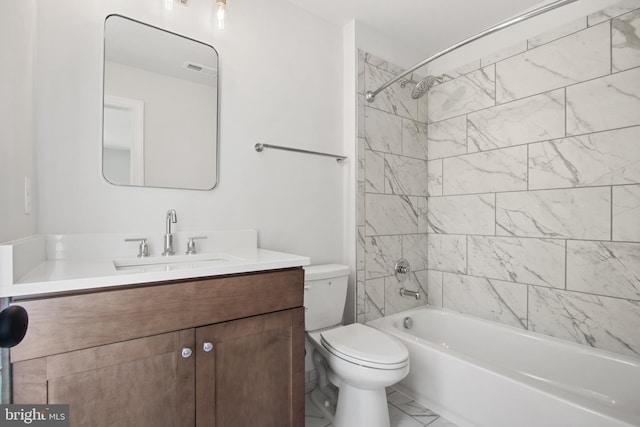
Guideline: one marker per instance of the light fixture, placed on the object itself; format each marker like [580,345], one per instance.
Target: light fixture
[168,4]
[221,6]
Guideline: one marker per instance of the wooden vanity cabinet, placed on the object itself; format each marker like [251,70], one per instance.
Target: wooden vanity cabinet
[213,352]
[142,382]
[245,380]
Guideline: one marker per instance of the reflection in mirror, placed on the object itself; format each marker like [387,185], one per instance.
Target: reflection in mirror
[160,108]
[123,145]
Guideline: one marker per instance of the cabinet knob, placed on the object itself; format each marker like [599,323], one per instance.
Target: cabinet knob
[207,347]
[186,352]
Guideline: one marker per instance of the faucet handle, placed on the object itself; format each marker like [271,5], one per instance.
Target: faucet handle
[191,244]
[143,249]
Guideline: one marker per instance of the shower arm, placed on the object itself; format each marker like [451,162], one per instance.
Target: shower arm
[371,95]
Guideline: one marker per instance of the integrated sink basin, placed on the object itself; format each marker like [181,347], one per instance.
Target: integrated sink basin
[173,262]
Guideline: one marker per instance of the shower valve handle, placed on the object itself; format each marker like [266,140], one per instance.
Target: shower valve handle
[402,270]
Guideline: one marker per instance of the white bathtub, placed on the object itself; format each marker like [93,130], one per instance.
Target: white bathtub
[483,374]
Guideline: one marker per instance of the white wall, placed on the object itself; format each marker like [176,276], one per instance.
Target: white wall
[281,83]
[349,132]
[381,45]
[17,42]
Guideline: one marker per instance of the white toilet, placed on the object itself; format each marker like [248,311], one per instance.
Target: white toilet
[362,360]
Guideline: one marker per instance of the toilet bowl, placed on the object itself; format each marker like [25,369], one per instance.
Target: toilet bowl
[362,361]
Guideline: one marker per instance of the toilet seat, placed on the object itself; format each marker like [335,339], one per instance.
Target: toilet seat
[365,346]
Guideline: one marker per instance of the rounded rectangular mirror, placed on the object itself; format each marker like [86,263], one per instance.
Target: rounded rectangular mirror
[160,112]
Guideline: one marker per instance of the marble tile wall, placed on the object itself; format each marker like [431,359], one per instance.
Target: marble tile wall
[533,184]
[392,192]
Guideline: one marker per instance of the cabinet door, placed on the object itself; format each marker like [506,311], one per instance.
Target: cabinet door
[142,382]
[254,374]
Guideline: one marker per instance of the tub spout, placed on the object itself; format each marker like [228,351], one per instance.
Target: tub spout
[407,293]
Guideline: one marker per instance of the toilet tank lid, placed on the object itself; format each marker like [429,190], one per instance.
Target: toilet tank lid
[325,271]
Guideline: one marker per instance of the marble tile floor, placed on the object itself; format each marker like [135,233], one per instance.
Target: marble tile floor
[403,412]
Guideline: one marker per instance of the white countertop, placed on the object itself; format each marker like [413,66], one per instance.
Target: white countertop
[49,275]
[54,276]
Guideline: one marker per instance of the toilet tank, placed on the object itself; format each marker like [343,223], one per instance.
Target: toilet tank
[325,294]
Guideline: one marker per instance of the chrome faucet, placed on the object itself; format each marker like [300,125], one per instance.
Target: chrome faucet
[168,237]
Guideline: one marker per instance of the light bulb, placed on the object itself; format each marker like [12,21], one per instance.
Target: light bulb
[168,4]
[220,6]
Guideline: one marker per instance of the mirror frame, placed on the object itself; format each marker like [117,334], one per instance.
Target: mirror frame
[217,132]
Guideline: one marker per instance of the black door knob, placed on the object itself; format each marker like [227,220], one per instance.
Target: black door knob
[13,325]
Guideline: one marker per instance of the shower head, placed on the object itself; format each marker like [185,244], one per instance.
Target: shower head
[423,86]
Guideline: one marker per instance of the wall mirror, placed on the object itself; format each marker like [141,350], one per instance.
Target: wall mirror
[160,112]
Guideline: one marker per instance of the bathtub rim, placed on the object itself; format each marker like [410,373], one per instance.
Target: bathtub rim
[581,348]
[596,406]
